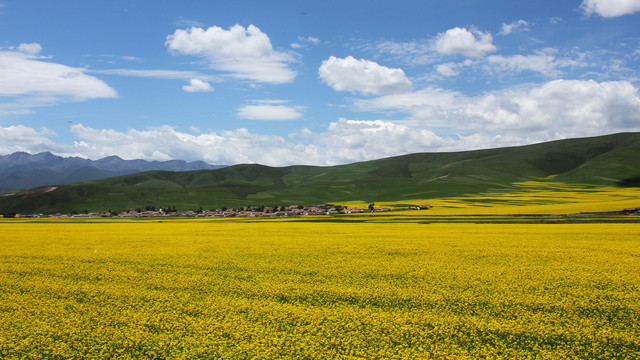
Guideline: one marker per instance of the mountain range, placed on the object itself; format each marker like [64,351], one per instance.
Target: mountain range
[21,170]
[610,160]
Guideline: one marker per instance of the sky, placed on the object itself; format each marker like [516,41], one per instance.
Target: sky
[312,82]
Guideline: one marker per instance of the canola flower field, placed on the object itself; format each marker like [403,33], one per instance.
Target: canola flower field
[358,288]
[530,197]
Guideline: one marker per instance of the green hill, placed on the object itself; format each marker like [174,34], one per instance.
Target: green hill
[603,160]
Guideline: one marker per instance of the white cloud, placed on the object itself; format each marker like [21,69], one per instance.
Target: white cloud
[610,8]
[15,108]
[157,74]
[453,69]
[456,41]
[313,40]
[182,22]
[31,48]
[561,108]
[22,138]
[430,104]
[21,74]
[410,53]
[448,69]
[225,147]
[543,61]
[343,141]
[303,41]
[31,82]
[464,42]
[245,53]
[553,110]
[269,110]
[557,109]
[362,76]
[355,140]
[197,85]
[516,26]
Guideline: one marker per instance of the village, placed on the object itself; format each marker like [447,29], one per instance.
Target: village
[261,211]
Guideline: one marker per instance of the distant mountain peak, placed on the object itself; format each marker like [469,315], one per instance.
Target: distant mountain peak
[22,170]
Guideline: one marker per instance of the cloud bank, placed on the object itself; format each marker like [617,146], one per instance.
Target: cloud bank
[429,119]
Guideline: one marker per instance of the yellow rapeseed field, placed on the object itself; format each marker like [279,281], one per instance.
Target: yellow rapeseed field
[327,288]
[531,197]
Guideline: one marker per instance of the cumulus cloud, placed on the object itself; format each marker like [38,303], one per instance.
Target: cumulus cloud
[31,82]
[516,26]
[22,138]
[566,107]
[556,109]
[355,140]
[197,85]
[344,141]
[244,53]
[455,41]
[610,8]
[273,110]
[31,48]
[428,119]
[224,147]
[464,42]
[362,76]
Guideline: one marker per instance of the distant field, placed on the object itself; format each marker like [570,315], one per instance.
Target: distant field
[318,288]
[531,197]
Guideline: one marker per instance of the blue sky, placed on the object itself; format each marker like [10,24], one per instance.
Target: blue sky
[321,83]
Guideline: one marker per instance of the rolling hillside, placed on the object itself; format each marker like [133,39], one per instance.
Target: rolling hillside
[604,160]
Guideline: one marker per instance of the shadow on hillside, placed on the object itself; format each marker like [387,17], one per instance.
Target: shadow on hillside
[630,182]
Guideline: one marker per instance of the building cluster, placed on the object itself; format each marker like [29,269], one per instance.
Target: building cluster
[293,210]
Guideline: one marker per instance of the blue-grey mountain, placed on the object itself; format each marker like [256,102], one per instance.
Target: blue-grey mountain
[21,170]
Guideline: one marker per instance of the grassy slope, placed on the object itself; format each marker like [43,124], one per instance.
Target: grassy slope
[605,160]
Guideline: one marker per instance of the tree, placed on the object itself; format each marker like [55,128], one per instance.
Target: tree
[372,206]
